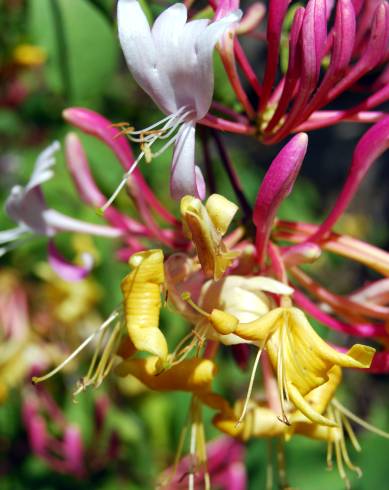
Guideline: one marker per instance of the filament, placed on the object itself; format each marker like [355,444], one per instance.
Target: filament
[358,420]
[111,318]
[343,448]
[187,297]
[170,124]
[251,384]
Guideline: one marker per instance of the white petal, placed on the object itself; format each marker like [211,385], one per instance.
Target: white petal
[200,183]
[26,208]
[140,51]
[268,284]
[11,235]
[166,33]
[42,170]
[177,60]
[204,49]
[183,176]
[169,24]
[61,222]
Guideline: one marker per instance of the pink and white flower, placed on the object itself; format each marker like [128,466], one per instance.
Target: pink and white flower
[172,62]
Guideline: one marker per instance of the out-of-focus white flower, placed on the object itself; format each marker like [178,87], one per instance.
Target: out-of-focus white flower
[27,207]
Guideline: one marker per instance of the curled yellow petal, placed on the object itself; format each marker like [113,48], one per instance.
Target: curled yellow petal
[221,212]
[318,432]
[206,231]
[194,375]
[304,361]
[142,302]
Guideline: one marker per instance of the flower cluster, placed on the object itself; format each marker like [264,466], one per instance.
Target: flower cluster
[239,276]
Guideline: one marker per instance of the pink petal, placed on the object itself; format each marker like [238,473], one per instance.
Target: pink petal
[277,11]
[276,186]
[67,270]
[358,330]
[74,450]
[78,165]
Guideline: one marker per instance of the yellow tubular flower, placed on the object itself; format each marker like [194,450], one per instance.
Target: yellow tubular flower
[261,421]
[244,299]
[300,357]
[205,226]
[305,360]
[193,375]
[142,302]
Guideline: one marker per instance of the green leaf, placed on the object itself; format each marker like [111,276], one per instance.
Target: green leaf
[81,46]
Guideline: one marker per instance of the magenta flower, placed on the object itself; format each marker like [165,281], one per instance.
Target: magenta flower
[331,46]
[63,448]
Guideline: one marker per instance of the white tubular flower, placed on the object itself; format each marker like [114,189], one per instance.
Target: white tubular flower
[26,205]
[172,62]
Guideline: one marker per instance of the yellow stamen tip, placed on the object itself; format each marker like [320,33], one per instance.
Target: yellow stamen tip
[186,296]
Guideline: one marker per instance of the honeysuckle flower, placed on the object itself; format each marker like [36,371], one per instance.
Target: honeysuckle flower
[205,226]
[172,62]
[27,207]
[133,324]
[300,357]
[243,297]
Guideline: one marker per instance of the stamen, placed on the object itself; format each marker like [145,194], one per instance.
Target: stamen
[339,463]
[145,147]
[186,296]
[148,137]
[105,363]
[351,434]
[281,376]
[343,447]
[358,420]
[165,146]
[182,354]
[111,318]
[122,183]
[251,384]
[161,121]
